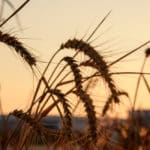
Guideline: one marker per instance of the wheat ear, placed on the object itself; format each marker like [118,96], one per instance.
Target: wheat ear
[102,66]
[19,48]
[26,118]
[67,112]
[88,102]
[110,100]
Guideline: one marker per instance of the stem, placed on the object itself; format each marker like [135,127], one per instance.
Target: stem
[138,84]
[14,13]
[134,50]
[146,83]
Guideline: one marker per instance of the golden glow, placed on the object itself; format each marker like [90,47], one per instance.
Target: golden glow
[46,24]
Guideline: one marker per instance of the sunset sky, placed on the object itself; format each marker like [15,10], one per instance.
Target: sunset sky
[45,24]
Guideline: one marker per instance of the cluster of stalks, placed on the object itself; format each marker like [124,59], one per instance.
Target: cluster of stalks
[50,94]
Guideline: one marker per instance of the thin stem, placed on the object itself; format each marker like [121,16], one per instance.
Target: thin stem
[146,83]
[42,77]
[62,70]
[41,98]
[98,26]
[42,107]
[138,84]
[55,101]
[130,73]
[124,56]
[55,70]
[112,73]
[2,9]
[46,68]
[13,9]
[14,13]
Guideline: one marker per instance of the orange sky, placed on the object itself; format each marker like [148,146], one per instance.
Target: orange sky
[46,24]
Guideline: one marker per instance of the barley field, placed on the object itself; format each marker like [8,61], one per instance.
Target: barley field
[65,88]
